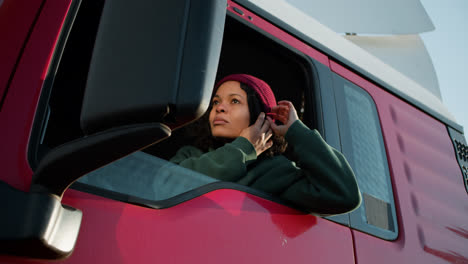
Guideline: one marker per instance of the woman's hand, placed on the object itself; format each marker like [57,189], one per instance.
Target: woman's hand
[259,134]
[286,114]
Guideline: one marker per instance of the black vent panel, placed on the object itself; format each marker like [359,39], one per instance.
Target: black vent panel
[461,148]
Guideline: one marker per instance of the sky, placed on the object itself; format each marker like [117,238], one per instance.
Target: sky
[448,47]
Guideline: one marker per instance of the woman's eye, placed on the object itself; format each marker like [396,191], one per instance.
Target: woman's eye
[215,102]
[235,101]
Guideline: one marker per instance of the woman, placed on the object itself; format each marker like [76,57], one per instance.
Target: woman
[246,146]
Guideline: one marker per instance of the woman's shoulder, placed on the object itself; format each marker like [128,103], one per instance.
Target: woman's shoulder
[186,152]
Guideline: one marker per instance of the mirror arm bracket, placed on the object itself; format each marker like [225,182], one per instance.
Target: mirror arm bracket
[35,224]
[65,164]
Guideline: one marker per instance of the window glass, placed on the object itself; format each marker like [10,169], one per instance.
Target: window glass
[146,176]
[362,144]
[365,144]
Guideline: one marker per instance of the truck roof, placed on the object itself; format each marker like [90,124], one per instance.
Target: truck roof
[339,48]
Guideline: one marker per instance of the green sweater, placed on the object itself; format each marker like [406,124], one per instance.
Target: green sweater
[322,181]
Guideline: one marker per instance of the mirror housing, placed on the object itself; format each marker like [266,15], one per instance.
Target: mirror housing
[154,61]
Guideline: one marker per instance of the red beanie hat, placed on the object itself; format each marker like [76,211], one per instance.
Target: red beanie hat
[263,90]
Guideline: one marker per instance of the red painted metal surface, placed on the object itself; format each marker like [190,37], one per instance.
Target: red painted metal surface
[431,201]
[224,226]
[20,103]
[16,19]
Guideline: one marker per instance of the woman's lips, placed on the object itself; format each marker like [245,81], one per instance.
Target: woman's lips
[219,121]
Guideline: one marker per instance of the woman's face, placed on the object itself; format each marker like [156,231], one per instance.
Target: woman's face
[230,111]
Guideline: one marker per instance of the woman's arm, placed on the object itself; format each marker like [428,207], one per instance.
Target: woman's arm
[323,180]
[227,163]
[327,184]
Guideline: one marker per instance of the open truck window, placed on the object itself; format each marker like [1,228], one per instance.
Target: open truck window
[146,177]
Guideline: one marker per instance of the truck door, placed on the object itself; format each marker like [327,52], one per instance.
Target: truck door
[414,198]
[141,208]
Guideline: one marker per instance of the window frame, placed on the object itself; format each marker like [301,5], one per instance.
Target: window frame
[315,70]
[36,150]
[355,217]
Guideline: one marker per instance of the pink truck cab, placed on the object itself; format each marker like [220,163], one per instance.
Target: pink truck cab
[96,96]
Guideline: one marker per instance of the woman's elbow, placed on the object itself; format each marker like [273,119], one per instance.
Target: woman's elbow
[349,193]
[352,200]
[344,201]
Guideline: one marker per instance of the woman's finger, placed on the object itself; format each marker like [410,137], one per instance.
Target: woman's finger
[282,112]
[283,119]
[285,102]
[269,134]
[280,105]
[292,113]
[274,127]
[266,126]
[279,109]
[260,120]
[279,130]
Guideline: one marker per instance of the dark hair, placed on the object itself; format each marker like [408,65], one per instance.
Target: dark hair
[205,141]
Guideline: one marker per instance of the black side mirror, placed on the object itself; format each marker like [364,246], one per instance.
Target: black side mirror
[153,63]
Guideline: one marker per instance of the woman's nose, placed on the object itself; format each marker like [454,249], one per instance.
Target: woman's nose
[221,107]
